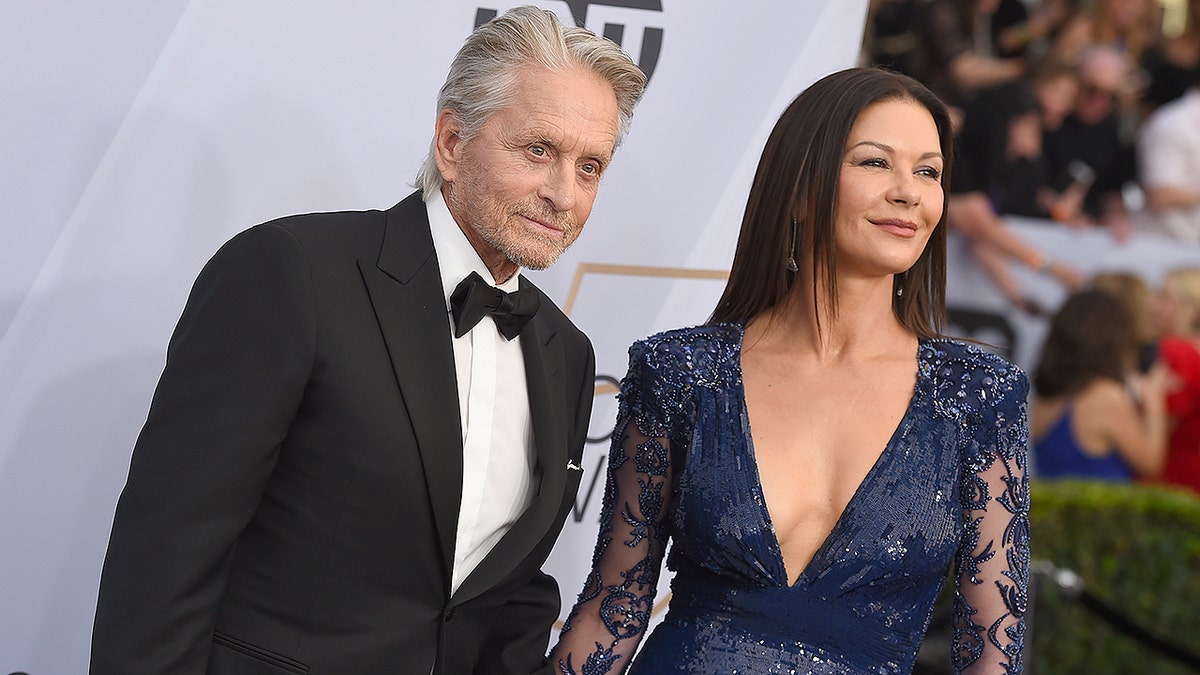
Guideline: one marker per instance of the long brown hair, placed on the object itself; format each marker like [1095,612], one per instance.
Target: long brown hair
[1132,41]
[797,180]
[1090,337]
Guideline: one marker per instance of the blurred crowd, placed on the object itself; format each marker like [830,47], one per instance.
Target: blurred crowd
[1084,113]
[1117,383]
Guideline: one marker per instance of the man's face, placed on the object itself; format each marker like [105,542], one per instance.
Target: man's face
[1097,98]
[523,187]
[1099,83]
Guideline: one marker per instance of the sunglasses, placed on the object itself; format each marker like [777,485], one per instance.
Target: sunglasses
[1092,90]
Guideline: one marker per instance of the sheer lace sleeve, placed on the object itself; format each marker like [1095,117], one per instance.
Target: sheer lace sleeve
[993,558]
[611,614]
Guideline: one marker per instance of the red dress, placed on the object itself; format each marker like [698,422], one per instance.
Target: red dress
[1183,406]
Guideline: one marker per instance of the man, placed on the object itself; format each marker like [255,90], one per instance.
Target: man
[1088,149]
[997,165]
[1169,162]
[342,472]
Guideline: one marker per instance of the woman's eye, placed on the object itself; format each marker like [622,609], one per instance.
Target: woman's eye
[930,172]
[876,162]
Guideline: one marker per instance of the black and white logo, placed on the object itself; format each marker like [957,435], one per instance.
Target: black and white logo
[620,19]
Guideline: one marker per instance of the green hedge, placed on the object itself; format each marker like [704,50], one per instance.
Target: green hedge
[1138,549]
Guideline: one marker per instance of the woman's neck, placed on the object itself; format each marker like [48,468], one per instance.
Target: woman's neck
[864,322]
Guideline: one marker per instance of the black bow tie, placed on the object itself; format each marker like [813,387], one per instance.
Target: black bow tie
[474,298]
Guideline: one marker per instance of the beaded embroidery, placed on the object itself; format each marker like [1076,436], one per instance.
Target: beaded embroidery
[950,487]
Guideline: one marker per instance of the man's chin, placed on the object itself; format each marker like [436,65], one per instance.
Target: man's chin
[536,261]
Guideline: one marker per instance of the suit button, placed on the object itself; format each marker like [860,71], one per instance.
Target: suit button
[449,614]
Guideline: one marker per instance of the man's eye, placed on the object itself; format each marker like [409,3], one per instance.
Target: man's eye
[537,150]
[590,168]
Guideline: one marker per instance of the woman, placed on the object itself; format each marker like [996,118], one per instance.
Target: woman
[1179,349]
[1127,25]
[1000,170]
[1000,151]
[1086,423]
[1137,295]
[1171,64]
[817,453]
[1019,29]
[953,57]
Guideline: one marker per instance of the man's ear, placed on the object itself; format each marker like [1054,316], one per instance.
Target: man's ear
[447,145]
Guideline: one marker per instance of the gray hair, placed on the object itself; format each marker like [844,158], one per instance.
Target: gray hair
[484,73]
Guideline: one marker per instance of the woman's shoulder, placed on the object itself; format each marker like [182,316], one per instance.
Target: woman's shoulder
[701,353]
[971,375]
[985,396]
[691,339]
[1101,399]
[965,354]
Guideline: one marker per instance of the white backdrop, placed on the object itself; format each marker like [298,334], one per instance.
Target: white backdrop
[136,137]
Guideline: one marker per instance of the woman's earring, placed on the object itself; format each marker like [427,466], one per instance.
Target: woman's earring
[900,284]
[791,261]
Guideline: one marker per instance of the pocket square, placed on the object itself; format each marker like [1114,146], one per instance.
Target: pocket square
[572,466]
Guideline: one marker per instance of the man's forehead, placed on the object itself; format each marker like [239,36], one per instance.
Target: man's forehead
[562,128]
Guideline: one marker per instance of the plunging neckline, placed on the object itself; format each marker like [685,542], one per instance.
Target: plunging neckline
[864,484]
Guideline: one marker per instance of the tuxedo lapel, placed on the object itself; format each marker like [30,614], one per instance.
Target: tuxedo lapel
[542,348]
[406,292]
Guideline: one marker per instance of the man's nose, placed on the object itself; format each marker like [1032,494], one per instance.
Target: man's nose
[559,186]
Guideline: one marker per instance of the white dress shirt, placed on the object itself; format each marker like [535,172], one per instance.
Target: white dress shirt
[498,460]
[1169,156]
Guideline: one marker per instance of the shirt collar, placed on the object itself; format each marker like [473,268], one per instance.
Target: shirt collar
[455,255]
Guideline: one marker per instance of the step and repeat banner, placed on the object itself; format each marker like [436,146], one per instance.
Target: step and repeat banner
[139,136]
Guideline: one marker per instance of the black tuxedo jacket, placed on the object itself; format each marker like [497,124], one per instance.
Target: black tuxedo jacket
[293,497]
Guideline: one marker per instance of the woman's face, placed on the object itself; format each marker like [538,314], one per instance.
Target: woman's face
[1170,310]
[1125,14]
[987,7]
[890,195]
[1025,137]
[1056,96]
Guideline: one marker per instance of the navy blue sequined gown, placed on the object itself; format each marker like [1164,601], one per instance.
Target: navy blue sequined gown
[950,487]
